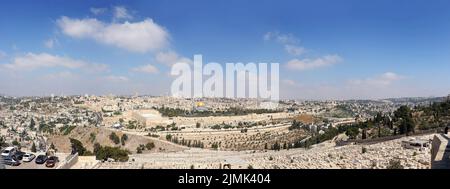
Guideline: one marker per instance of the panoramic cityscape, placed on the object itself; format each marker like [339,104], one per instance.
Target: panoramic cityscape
[224,85]
[112,132]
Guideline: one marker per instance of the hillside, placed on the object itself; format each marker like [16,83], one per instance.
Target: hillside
[91,135]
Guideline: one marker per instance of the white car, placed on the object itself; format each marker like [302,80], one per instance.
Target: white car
[9,151]
[28,157]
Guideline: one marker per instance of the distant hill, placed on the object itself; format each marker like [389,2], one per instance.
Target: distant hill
[416,100]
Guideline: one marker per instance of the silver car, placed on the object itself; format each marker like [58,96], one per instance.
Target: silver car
[28,157]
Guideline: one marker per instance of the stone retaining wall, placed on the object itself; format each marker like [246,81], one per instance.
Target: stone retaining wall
[68,162]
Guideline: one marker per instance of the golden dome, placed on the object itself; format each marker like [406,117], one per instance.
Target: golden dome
[200,104]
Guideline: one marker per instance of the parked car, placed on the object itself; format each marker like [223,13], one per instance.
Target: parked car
[11,161]
[28,157]
[41,159]
[18,155]
[51,161]
[9,151]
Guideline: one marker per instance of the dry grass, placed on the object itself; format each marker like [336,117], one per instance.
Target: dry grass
[83,134]
[306,119]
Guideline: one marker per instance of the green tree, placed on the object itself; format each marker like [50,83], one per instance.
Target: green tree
[123,139]
[97,147]
[139,150]
[113,137]
[33,148]
[352,132]
[77,146]
[169,137]
[150,145]
[395,164]
[404,115]
[215,146]
[52,146]
[378,117]
[92,137]
[105,152]
[32,124]
[364,134]
[276,146]
[15,143]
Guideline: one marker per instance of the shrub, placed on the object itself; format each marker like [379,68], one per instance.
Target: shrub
[123,139]
[215,146]
[92,137]
[103,153]
[153,135]
[168,137]
[139,150]
[52,146]
[66,129]
[113,137]
[395,164]
[15,143]
[150,145]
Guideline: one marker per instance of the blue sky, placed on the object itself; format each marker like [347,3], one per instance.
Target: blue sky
[326,49]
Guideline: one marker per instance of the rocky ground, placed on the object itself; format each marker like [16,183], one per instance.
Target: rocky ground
[322,156]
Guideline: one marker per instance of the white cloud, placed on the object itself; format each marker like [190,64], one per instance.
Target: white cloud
[114,78]
[146,69]
[60,75]
[121,12]
[309,64]
[80,28]
[31,61]
[382,80]
[281,38]
[50,43]
[390,76]
[289,42]
[289,82]
[169,58]
[98,11]
[140,37]
[294,50]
